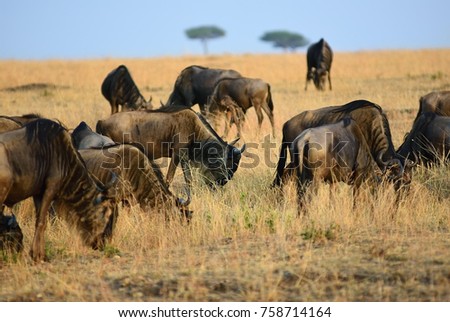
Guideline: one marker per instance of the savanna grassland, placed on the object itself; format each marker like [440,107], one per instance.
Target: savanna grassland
[246,242]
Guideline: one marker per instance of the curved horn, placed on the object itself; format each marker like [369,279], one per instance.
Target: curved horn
[112,181]
[183,203]
[243,148]
[234,141]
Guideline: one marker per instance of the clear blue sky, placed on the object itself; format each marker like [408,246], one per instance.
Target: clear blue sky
[33,29]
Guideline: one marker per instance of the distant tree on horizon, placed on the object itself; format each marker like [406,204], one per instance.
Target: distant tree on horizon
[285,39]
[205,33]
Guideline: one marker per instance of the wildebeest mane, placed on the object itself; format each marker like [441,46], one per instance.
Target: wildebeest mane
[170,108]
[354,105]
[40,130]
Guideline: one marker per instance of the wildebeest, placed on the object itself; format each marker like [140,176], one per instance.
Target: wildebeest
[195,84]
[139,179]
[119,89]
[39,161]
[332,153]
[319,58]
[84,138]
[184,136]
[11,236]
[233,95]
[370,118]
[428,141]
[435,102]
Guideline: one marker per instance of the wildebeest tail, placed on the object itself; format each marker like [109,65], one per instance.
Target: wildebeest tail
[269,98]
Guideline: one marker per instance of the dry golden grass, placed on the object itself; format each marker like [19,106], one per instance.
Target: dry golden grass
[246,243]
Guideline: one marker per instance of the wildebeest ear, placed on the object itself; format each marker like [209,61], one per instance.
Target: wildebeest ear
[243,148]
[150,99]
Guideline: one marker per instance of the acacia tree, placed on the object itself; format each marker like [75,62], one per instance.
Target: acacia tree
[285,39]
[205,33]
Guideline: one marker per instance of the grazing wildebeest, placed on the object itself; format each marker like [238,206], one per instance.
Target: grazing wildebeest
[139,179]
[234,96]
[435,102]
[319,58]
[370,118]
[428,141]
[84,138]
[195,84]
[184,136]
[119,89]
[11,236]
[333,153]
[39,161]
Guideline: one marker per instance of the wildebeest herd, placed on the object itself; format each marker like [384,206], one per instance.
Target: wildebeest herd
[83,175]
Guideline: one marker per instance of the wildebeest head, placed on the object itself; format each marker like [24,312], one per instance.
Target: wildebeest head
[217,161]
[140,105]
[319,77]
[234,156]
[11,237]
[398,171]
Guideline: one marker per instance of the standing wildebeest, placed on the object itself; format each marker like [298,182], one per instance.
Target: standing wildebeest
[184,136]
[140,179]
[428,141]
[84,138]
[319,58]
[119,89]
[333,153]
[39,161]
[234,96]
[435,102]
[370,118]
[195,84]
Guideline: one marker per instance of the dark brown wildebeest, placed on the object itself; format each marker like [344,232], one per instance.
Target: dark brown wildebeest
[139,179]
[195,84]
[184,136]
[333,153]
[435,102]
[119,89]
[371,120]
[39,161]
[234,96]
[84,138]
[428,141]
[319,58]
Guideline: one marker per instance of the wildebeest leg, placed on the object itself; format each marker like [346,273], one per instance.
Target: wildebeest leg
[41,204]
[329,79]
[307,80]
[174,161]
[228,118]
[269,113]
[234,117]
[187,176]
[259,113]
[114,107]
